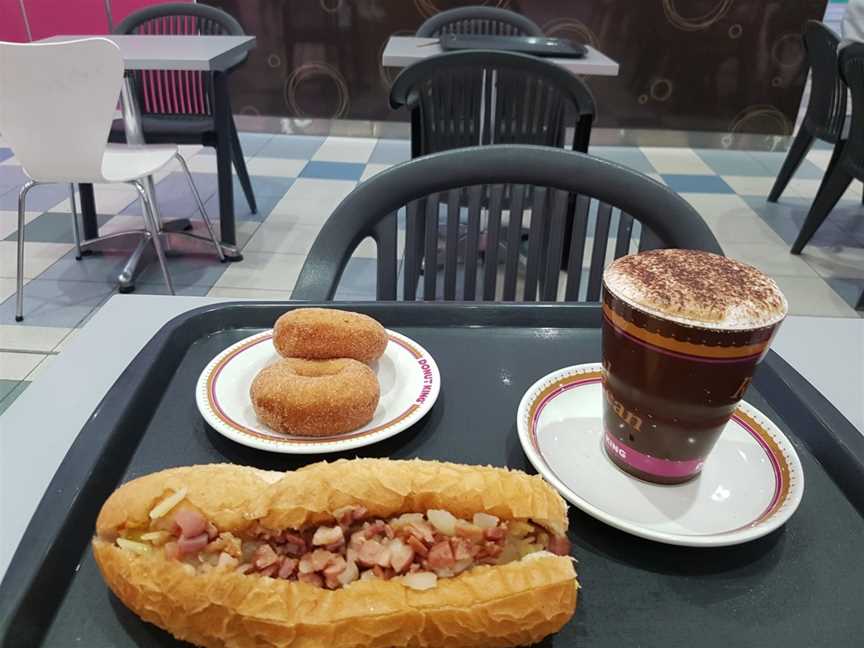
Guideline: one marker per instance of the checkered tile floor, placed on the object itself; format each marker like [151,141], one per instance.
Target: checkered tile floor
[298,181]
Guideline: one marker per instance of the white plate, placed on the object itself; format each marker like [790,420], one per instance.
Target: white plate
[751,484]
[408,376]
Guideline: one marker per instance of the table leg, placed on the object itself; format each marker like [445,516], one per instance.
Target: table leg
[222,117]
[88,211]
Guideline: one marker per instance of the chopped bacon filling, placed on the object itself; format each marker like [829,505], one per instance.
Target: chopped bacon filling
[416,547]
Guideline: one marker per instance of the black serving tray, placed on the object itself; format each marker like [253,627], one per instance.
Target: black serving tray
[802,585]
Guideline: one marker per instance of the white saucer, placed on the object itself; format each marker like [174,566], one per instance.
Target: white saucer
[751,483]
[407,374]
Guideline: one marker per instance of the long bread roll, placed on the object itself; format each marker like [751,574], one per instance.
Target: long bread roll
[277,524]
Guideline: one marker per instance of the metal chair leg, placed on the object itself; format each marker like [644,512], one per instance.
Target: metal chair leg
[201,208]
[19,294]
[153,224]
[75,230]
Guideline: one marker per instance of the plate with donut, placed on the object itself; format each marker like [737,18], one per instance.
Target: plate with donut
[321,380]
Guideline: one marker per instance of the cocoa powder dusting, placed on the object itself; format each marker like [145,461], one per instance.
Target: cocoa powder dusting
[699,287]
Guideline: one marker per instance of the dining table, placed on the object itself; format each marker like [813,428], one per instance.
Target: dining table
[122,404]
[217,55]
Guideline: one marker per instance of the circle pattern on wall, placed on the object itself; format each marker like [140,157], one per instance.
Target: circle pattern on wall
[695,23]
[308,71]
[760,119]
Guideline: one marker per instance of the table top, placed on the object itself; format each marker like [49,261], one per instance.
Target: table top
[402,51]
[205,53]
[35,438]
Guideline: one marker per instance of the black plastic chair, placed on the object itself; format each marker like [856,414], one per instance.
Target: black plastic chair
[826,112]
[177,106]
[489,21]
[847,161]
[480,97]
[613,203]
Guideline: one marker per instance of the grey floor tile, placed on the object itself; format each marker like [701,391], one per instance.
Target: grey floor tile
[53,227]
[7,400]
[787,217]
[56,303]
[7,386]
[773,161]
[100,267]
[389,151]
[359,277]
[265,204]
[174,197]
[734,163]
[263,186]
[40,198]
[849,289]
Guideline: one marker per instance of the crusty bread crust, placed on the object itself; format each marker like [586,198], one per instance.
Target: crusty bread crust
[514,604]
[511,605]
[233,497]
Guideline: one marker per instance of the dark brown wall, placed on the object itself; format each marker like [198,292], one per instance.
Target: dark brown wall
[712,65]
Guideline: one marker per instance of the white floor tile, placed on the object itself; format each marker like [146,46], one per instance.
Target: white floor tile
[311,200]
[263,271]
[808,296]
[31,338]
[205,164]
[820,158]
[346,149]
[283,237]
[373,169]
[809,189]
[676,161]
[16,366]
[64,343]
[657,177]
[37,257]
[750,186]
[731,219]
[275,167]
[771,258]
[9,221]
[7,288]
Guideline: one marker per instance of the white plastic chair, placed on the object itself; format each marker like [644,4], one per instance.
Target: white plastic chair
[57,101]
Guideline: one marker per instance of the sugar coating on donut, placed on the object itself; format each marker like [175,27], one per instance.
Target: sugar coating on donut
[697,288]
[325,333]
[315,397]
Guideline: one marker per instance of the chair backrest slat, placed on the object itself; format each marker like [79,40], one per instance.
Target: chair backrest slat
[852,71]
[598,251]
[458,199]
[622,236]
[493,238]
[430,274]
[386,239]
[472,241]
[535,242]
[580,207]
[554,245]
[413,247]
[57,101]
[479,21]
[451,250]
[514,240]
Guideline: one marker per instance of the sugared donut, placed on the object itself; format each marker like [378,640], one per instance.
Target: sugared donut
[315,397]
[324,333]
